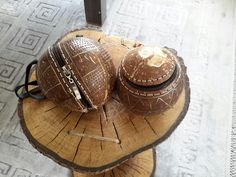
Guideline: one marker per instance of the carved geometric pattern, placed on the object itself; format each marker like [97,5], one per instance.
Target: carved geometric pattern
[21,173]
[4,27]
[4,168]
[47,14]
[28,41]
[9,70]
[133,8]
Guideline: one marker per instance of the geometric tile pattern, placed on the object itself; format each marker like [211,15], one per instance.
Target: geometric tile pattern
[172,15]
[195,149]
[21,172]
[166,26]
[46,14]
[4,168]
[133,8]
[171,22]
[13,7]
[2,105]
[122,29]
[160,36]
[26,28]
[233,132]
[8,170]
[28,41]
[197,29]
[9,9]
[77,18]
[9,71]
[14,136]
[4,27]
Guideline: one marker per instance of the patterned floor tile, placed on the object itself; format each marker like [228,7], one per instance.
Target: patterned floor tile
[13,7]
[28,41]
[4,168]
[10,73]
[13,135]
[123,29]
[133,8]
[4,27]
[46,14]
[201,143]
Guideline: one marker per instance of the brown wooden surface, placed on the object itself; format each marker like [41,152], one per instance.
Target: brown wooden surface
[141,165]
[47,125]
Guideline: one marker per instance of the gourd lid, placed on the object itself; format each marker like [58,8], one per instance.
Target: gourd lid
[148,66]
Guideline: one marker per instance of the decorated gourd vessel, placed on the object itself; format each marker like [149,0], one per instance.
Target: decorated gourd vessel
[150,80]
[77,74]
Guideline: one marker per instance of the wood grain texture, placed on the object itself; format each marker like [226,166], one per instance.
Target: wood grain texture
[47,125]
[141,165]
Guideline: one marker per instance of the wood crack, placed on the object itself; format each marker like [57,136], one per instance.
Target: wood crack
[99,39]
[77,149]
[50,109]
[54,123]
[58,133]
[117,135]
[65,117]
[78,121]
[122,42]
[150,126]
[101,130]
[61,143]
[116,99]
[133,124]
[104,111]
[112,173]
[36,127]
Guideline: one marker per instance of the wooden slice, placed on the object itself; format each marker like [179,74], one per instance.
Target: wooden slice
[141,165]
[102,139]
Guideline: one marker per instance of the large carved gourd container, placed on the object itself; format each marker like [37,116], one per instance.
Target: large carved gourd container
[150,80]
[77,74]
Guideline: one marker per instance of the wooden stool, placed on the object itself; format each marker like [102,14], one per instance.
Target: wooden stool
[95,11]
[112,139]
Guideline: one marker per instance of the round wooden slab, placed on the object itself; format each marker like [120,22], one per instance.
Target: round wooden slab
[102,139]
[142,165]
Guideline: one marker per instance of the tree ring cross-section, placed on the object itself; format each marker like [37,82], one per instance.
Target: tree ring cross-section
[100,140]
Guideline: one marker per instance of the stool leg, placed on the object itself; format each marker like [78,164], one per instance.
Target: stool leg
[95,11]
